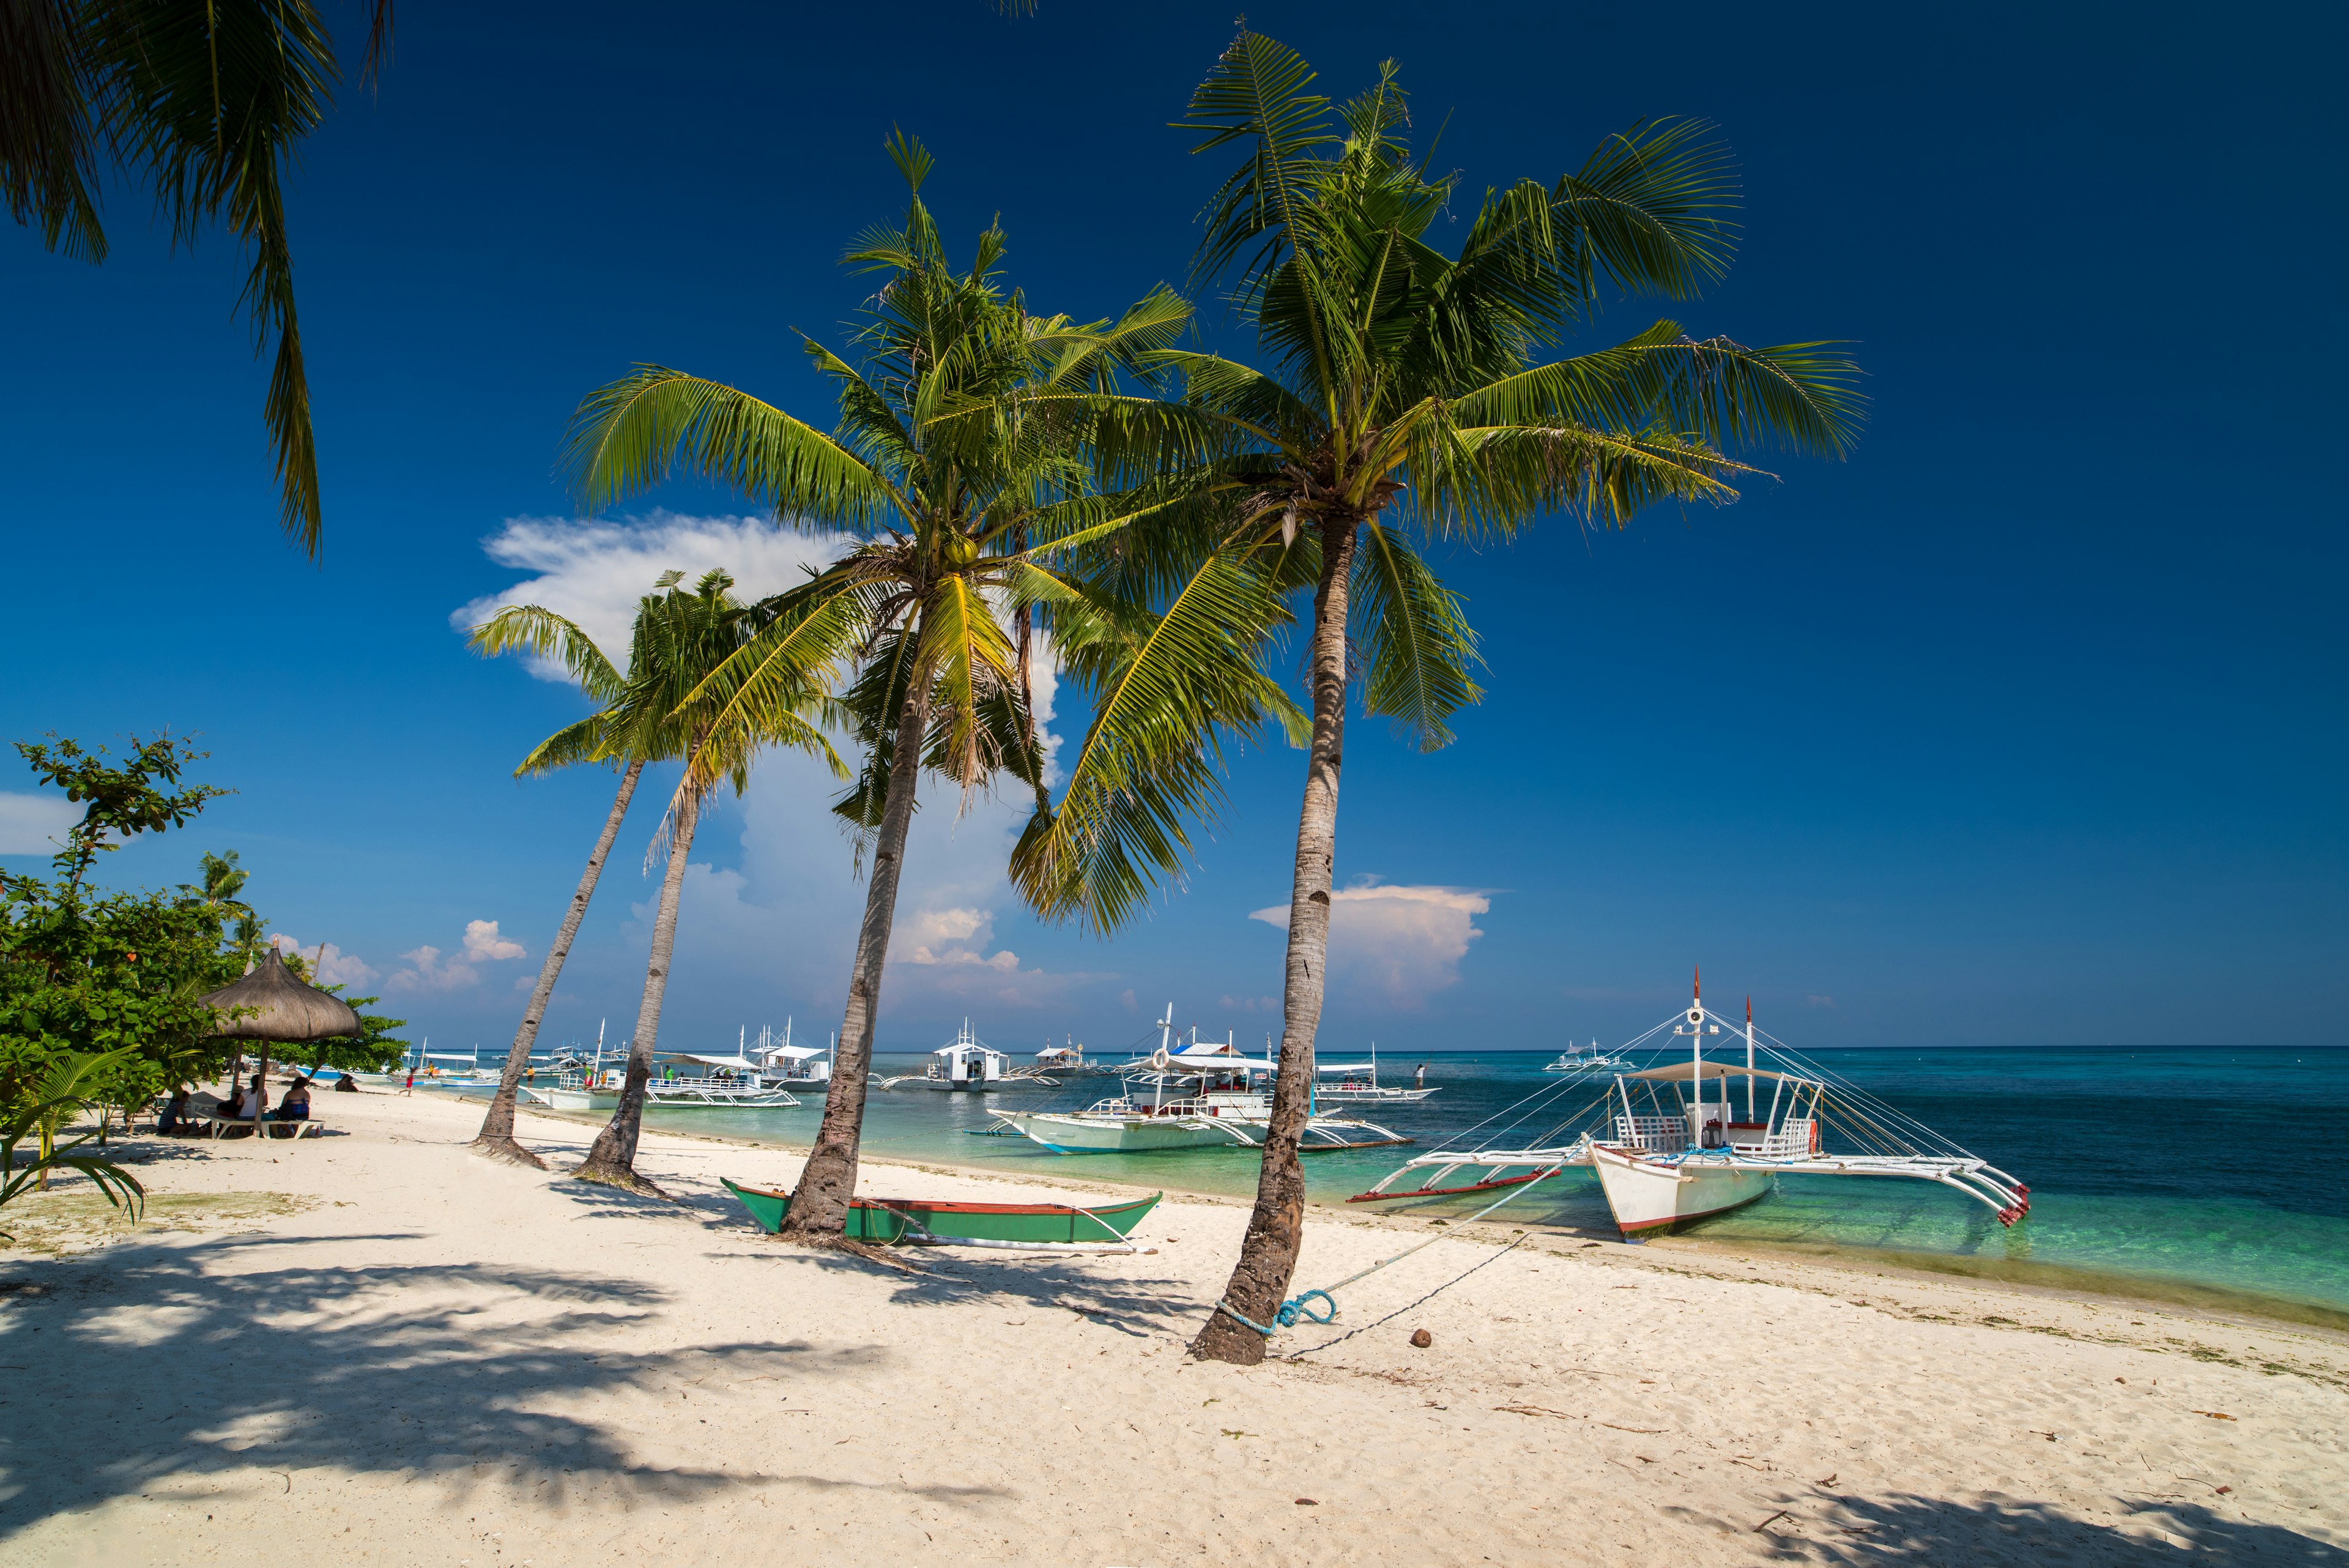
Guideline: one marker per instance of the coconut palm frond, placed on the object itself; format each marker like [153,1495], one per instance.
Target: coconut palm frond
[1168,687]
[629,435]
[1418,647]
[533,630]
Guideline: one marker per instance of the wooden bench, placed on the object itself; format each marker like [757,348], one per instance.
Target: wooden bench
[220,1126]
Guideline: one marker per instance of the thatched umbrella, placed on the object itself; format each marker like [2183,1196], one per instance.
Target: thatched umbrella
[291,1012]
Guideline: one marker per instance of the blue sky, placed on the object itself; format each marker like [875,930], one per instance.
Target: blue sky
[2024,725]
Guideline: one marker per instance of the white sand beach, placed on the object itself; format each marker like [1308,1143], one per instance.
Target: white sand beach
[376,1348]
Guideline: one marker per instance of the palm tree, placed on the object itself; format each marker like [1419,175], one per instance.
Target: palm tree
[1411,393]
[665,709]
[206,101]
[958,465]
[602,736]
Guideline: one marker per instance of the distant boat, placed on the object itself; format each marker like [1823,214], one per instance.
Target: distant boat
[1219,1105]
[1023,1227]
[1358,1084]
[1068,1062]
[968,1065]
[785,1063]
[1576,1059]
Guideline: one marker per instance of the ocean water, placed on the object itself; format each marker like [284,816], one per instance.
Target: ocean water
[2199,1172]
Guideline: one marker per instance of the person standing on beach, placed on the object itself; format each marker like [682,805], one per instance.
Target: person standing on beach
[409,1087]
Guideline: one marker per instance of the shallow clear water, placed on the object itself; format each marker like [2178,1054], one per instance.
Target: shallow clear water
[2203,1166]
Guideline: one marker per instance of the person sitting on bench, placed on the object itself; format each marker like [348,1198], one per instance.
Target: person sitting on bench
[295,1106]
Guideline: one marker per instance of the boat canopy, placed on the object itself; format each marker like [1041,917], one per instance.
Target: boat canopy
[448,1056]
[1347,1067]
[743,1063]
[792,1053]
[1680,1070]
[966,1046]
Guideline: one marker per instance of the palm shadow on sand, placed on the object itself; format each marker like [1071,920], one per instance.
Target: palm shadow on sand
[430,1370]
[1898,1530]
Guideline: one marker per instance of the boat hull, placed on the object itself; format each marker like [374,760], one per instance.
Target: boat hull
[884,1221]
[1649,1197]
[575,1100]
[1064,1134]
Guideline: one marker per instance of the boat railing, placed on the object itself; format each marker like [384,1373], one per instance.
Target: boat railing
[1792,1139]
[1652,1135]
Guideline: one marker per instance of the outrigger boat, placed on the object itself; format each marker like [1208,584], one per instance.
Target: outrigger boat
[1020,1227]
[1068,1062]
[784,1064]
[728,1083]
[1358,1084]
[1226,1102]
[1576,1059]
[1667,1152]
[969,1066]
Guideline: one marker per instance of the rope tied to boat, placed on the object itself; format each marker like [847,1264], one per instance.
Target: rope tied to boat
[1297,1308]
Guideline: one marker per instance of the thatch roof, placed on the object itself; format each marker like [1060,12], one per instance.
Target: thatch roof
[290,1011]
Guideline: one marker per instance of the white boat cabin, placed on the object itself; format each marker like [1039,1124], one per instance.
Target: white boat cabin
[968,1060]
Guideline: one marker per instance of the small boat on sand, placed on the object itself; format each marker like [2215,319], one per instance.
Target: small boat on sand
[920,1222]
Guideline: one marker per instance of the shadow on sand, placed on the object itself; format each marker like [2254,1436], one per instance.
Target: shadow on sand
[424,1370]
[1901,1528]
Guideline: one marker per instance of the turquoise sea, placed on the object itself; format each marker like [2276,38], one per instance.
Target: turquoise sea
[2197,1174]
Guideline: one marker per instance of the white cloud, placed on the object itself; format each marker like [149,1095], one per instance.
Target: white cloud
[331,965]
[1828,1002]
[427,972]
[788,915]
[29,822]
[1251,1004]
[949,936]
[483,945]
[1405,942]
[594,572]
[785,919]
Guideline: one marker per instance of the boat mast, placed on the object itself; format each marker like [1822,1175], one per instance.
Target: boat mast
[1165,1041]
[1696,1057]
[1749,1059]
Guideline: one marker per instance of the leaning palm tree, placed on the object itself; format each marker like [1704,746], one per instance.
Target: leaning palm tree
[957,466]
[603,736]
[662,710]
[1409,394]
[205,101]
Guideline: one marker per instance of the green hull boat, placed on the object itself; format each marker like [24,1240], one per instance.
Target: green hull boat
[887,1221]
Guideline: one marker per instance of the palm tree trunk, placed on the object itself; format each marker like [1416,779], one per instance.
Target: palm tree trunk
[613,1157]
[819,1210]
[496,1137]
[1277,1228]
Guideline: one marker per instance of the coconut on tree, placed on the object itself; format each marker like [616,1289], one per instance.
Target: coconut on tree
[1405,395]
[958,472]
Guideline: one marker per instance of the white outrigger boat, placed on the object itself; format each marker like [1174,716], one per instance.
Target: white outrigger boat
[784,1065]
[1225,1101]
[1666,1151]
[739,1082]
[970,1065]
[1357,1084]
[1577,1059]
[1068,1061]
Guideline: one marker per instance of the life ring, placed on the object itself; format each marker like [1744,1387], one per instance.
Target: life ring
[1161,1060]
